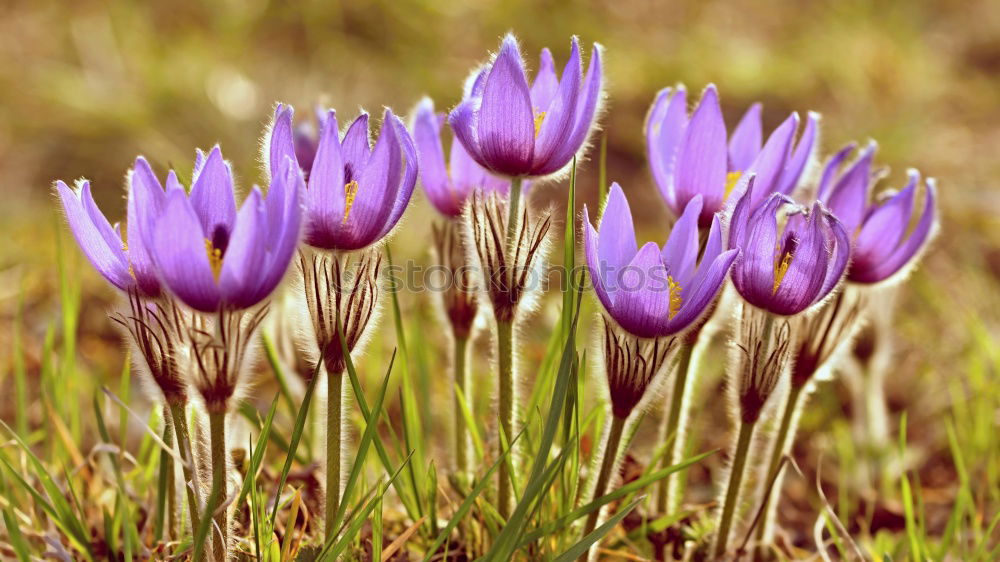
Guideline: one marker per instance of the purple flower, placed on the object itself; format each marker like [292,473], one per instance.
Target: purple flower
[649,291]
[519,131]
[208,254]
[355,194]
[126,264]
[786,272]
[883,242]
[689,156]
[447,184]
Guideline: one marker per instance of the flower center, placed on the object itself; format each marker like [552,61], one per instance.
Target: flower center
[731,179]
[781,263]
[675,298]
[214,258]
[539,119]
[350,193]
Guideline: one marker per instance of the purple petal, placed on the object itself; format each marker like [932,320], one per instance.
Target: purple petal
[642,302]
[841,253]
[244,260]
[701,160]
[280,139]
[849,196]
[560,114]
[699,294]
[753,275]
[213,200]
[377,189]
[146,200]
[284,203]
[616,245]
[544,88]
[180,255]
[831,170]
[800,286]
[744,143]
[772,158]
[586,110]
[462,121]
[796,165]
[680,253]
[109,261]
[325,197]
[433,170]
[356,148]
[739,222]
[506,124]
[665,126]
[594,266]
[405,185]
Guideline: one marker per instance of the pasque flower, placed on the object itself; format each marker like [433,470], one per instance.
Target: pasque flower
[883,242]
[652,291]
[447,183]
[355,193]
[517,130]
[786,272]
[689,155]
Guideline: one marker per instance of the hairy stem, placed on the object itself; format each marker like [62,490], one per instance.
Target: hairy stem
[166,504]
[514,205]
[220,467]
[505,352]
[190,475]
[334,429]
[783,436]
[461,388]
[604,476]
[673,428]
[733,490]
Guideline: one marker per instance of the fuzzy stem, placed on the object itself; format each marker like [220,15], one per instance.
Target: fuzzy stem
[505,351]
[733,489]
[604,476]
[513,207]
[334,429]
[672,430]
[783,436]
[190,476]
[167,503]
[220,465]
[461,388]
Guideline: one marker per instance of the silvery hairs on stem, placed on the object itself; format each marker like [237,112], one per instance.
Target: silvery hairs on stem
[760,355]
[222,345]
[340,288]
[632,365]
[510,281]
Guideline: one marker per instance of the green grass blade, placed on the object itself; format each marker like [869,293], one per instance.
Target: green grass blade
[597,534]
[300,423]
[256,457]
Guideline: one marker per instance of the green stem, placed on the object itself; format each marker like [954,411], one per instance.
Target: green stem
[733,489]
[604,476]
[220,467]
[461,388]
[777,452]
[334,429]
[514,205]
[673,428]
[190,477]
[166,507]
[505,390]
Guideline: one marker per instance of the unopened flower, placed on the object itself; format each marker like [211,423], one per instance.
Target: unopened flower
[517,130]
[448,183]
[652,291]
[209,255]
[355,193]
[690,156]
[884,244]
[786,271]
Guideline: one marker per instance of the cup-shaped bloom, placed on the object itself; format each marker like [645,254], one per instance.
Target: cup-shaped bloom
[884,243]
[211,256]
[652,292]
[125,263]
[517,130]
[786,271]
[690,155]
[355,193]
[447,183]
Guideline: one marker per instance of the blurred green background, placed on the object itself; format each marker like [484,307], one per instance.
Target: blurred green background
[86,86]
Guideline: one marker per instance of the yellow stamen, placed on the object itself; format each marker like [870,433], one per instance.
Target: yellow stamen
[350,192]
[731,179]
[125,249]
[675,297]
[539,119]
[780,269]
[214,258]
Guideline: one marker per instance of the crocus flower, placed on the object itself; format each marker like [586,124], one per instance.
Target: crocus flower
[126,264]
[786,272]
[883,242]
[652,291]
[447,183]
[517,130]
[208,254]
[355,194]
[689,156]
